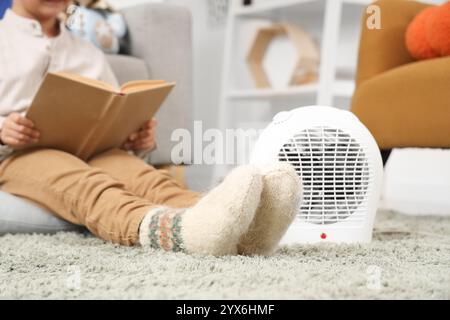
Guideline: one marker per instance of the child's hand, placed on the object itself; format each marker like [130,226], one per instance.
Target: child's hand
[18,131]
[144,139]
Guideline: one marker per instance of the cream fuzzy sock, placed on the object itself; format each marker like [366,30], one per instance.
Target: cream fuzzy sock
[214,225]
[279,203]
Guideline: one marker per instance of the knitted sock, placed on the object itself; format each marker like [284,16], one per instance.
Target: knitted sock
[279,203]
[214,225]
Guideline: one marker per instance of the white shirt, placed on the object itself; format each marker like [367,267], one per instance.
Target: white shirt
[27,54]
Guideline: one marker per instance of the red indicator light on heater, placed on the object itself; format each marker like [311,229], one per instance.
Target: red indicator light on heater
[323,236]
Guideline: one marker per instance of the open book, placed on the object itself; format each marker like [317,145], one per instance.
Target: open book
[84,117]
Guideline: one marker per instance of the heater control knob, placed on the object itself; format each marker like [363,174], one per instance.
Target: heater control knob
[281,117]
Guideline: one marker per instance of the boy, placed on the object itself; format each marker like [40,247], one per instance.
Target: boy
[116,195]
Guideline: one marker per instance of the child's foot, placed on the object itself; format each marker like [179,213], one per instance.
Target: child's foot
[279,203]
[214,225]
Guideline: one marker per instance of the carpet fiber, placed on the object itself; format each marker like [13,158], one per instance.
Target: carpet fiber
[409,258]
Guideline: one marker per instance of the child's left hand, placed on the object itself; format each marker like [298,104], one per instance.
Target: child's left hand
[144,139]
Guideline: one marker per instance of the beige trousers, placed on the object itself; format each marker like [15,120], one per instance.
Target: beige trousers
[110,194]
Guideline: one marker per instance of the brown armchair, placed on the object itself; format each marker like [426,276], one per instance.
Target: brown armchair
[403,102]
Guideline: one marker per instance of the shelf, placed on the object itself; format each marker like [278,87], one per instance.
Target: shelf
[325,20]
[360,2]
[265,6]
[273,5]
[273,93]
[342,88]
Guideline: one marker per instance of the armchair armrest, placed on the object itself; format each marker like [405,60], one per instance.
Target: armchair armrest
[384,49]
[407,106]
[161,35]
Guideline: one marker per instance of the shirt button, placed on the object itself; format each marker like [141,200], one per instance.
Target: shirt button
[36,29]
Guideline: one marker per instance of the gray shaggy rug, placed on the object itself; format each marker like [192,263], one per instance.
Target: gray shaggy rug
[409,258]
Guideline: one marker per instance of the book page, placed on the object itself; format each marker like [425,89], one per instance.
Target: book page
[89,81]
[139,85]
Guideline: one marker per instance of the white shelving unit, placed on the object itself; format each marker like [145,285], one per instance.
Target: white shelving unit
[324,19]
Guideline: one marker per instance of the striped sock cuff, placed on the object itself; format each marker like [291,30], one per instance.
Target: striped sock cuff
[161,229]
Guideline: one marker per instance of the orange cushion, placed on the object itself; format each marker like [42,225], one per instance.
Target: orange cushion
[439,30]
[428,35]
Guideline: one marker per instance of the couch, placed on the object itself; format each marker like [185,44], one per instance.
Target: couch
[403,102]
[160,48]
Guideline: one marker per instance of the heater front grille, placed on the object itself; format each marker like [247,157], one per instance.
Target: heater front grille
[335,174]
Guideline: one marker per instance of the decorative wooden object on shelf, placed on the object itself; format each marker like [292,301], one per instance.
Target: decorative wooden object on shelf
[306,68]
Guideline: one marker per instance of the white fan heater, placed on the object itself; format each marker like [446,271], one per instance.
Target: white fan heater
[340,167]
